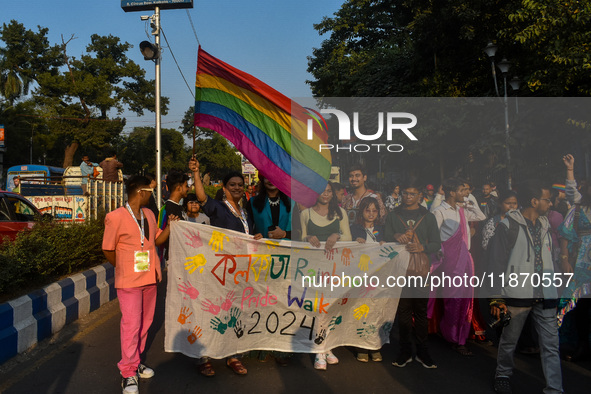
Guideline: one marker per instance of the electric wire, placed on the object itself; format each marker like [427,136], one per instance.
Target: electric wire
[193,27]
[177,64]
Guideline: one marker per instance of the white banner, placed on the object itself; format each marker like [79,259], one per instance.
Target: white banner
[229,294]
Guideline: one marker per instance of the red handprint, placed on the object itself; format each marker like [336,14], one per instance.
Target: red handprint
[330,253]
[194,239]
[209,306]
[227,304]
[187,288]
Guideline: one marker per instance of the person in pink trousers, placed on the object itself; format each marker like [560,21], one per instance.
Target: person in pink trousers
[129,243]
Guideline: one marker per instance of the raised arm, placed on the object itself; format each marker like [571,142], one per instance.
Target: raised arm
[199,189]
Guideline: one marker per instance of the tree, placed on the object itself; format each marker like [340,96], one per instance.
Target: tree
[427,48]
[138,150]
[187,126]
[217,156]
[26,55]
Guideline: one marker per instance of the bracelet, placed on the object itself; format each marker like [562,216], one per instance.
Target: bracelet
[564,256]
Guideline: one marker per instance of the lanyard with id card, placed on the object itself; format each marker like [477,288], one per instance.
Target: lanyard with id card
[141,258]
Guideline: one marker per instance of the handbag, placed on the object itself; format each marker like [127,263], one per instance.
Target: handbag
[419,263]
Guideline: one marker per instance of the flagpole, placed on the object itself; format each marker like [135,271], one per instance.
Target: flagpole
[158,114]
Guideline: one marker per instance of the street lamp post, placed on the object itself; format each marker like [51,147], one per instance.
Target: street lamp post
[504,67]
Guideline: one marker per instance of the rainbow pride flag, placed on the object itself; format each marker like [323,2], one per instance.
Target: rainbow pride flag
[267,127]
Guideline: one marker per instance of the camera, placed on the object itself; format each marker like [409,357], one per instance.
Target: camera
[504,320]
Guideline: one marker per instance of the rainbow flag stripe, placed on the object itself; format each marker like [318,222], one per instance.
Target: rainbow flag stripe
[268,128]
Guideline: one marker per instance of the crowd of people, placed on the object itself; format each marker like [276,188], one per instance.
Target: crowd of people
[536,229]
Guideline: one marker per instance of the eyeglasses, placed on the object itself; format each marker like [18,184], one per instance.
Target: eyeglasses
[146,189]
[410,194]
[545,199]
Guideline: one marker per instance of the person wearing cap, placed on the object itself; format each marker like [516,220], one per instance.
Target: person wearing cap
[559,202]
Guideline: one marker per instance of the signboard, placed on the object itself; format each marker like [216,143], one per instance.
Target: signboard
[146,5]
[63,208]
[248,168]
[228,293]
[1,136]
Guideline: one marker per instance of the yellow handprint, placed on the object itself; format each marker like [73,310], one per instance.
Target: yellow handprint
[195,262]
[271,244]
[364,262]
[361,311]
[217,241]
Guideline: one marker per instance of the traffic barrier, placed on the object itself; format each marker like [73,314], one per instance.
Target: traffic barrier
[31,318]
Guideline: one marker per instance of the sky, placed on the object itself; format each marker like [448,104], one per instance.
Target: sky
[270,39]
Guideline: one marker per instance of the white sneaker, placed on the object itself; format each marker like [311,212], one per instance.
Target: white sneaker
[331,358]
[320,362]
[130,385]
[145,372]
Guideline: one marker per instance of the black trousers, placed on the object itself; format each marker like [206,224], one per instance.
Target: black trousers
[413,304]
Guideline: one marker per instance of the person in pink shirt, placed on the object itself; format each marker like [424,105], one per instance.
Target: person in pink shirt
[129,243]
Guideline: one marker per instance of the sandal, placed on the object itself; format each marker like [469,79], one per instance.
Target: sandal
[236,366]
[206,369]
[463,350]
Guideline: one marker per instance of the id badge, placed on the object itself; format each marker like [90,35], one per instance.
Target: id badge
[141,261]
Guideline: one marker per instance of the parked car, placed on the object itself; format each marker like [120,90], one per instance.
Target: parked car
[16,214]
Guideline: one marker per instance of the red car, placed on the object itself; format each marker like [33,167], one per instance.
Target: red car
[16,214]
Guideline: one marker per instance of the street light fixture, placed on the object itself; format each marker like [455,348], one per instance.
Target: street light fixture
[504,66]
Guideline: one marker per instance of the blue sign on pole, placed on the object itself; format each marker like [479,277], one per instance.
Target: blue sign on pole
[146,5]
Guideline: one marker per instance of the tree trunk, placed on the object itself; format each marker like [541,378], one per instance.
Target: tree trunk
[69,154]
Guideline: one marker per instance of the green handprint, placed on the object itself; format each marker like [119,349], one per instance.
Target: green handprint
[366,331]
[218,325]
[388,252]
[387,327]
[234,315]
[334,322]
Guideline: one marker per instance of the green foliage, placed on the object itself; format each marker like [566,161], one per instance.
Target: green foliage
[138,150]
[48,251]
[187,126]
[217,157]
[73,96]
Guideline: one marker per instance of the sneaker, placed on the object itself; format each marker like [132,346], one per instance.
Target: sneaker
[376,356]
[145,372]
[402,360]
[331,358]
[426,360]
[502,385]
[320,362]
[363,357]
[130,385]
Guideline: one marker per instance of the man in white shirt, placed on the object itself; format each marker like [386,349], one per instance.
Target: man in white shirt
[453,217]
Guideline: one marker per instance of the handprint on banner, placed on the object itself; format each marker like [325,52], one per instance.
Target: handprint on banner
[193,335]
[387,327]
[346,256]
[183,315]
[364,262]
[194,239]
[239,329]
[194,262]
[320,337]
[334,322]
[217,241]
[187,288]
[388,252]
[360,312]
[329,254]
[234,315]
[271,244]
[210,307]
[366,331]
[227,304]
[343,301]
[218,325]
[365,292]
